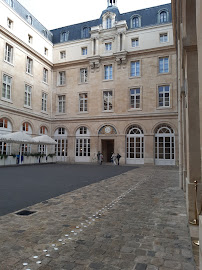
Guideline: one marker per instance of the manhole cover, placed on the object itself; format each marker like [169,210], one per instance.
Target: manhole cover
[25,213]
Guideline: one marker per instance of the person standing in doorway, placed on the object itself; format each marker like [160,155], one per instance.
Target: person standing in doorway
[114,158]
[118,158]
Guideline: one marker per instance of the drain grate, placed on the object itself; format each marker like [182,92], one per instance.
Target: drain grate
[25,213]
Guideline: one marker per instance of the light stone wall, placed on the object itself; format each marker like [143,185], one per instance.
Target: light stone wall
[21,29]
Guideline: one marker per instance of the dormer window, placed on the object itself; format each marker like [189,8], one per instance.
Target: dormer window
[45,33]
[136,22]
[163,16]
[109,22]
[29,19]
[10,2]
[63,37]
[85,32]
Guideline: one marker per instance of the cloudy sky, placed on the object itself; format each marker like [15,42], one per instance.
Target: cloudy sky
[57,13]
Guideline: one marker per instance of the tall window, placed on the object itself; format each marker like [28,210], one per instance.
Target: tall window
[28,91]
[163,17]
[63,37]
[9,23]
[44,102]
[45,75]
[108,46]
[27,128]
[163,64]
[62,142]
[109,22]
[135,22]
[5,148]
[45,51]
[6,91]
[30,39]
[135,42]
[61,104]
[135,69]
[29,65]
[82,144]
[164,96]
[62,78]
[9,53]
[43,130]
[164,37]
[83,75]
[108,72]
[84,51]
[83,102]
[85,32]
[107,100]
[135,98]
[3,123]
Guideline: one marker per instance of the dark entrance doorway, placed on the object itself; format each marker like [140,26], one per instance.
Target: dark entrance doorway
[107,149]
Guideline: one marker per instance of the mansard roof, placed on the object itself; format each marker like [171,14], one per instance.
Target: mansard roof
[149,17]
[24,13]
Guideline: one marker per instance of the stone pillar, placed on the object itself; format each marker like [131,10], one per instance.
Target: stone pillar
[192,130]
[123,41]
[94,148]
[149,149]
[120,147]
[71,149]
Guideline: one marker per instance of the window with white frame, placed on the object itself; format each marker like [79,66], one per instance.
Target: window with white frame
[164,96]
[44,102]
[135,69]
[9,23]
[64,36]
[6,91]
[135,98]
[61,78]
[136,22]
[29,65]
[30,39]
[10,2]
[62,54]
[85,32]
[45,75]
[82,144]
[5,148]
[43,130]
[108,72]
[28,92]
[84,51]
[135,42]
[107,100]
[45,51]
[42,149]
[83,75]
[164,37]
[108,46]
[25,149]
[61,104]
[26,127]
[163,16]
[8,53]
[83,102]
[108,23]
[60,137]
[163,64]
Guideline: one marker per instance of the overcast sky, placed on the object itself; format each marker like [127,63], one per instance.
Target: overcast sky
[57,13]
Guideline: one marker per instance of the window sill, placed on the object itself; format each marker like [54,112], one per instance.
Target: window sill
[27,107]
[30,74]
[44,112]
[164,73]
[81,83]
[134,77]
[134,109]
[60,114]
[164,108]
[83,113]
[61,85]
[11,64]
[109,80]
[45,83]
[7,100]
[111,111]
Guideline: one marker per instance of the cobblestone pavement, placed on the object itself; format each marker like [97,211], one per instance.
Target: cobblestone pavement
[134,221]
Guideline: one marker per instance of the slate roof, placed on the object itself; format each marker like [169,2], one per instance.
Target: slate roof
[149,17]
[23,12]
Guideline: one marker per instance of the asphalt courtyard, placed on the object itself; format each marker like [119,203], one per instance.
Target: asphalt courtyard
[24,186]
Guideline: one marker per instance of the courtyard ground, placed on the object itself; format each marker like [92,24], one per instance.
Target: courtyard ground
[132,221]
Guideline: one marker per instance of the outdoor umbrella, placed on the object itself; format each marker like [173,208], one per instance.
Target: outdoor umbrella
[44,139]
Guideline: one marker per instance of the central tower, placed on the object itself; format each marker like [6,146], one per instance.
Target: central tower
[112,3]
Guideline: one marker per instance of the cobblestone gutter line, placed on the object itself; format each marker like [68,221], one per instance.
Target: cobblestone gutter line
[136,220]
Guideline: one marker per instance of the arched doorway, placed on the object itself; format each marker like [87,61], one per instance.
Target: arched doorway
[164,145]
[82,145]
[135,145]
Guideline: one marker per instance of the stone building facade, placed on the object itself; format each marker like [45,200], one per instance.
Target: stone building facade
[106,85]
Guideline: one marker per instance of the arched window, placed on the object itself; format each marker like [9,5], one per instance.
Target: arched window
[43,130]
[61,148]
[163,16]
[82,145]
[136,22]
[64,37]
[164,145]
[85,32]
[108,23]
[26,127]
[135,145]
